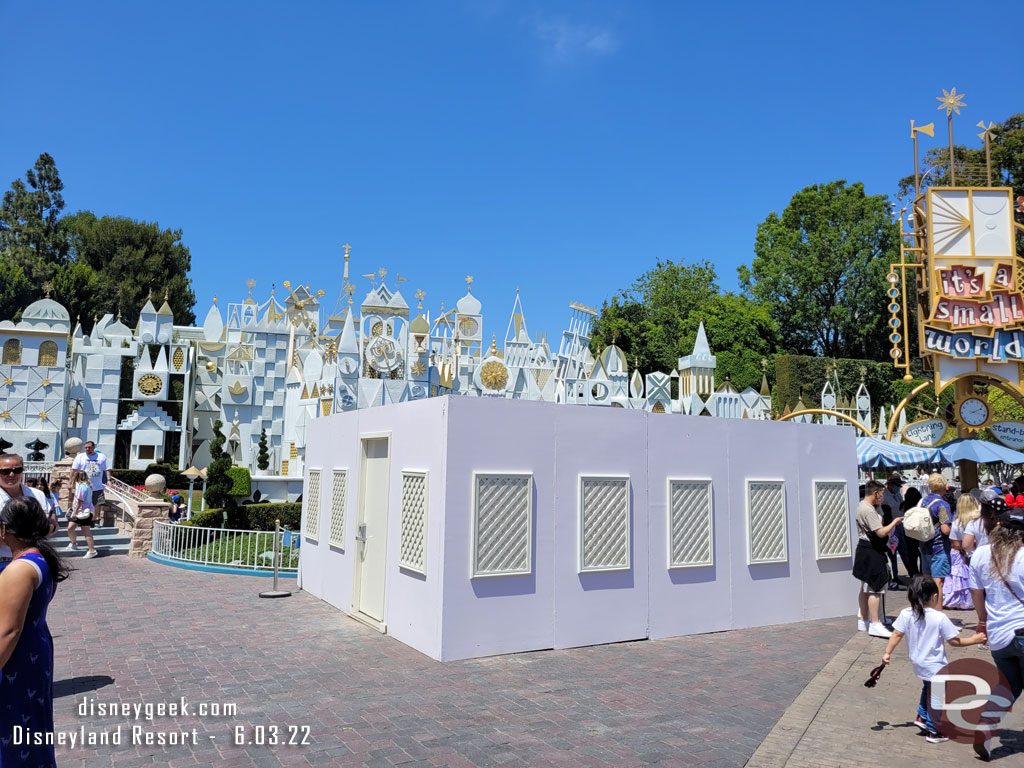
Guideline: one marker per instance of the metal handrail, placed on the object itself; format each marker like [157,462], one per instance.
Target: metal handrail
[249,550]
[123,489]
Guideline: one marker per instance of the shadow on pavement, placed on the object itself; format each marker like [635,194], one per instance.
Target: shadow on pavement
[80,684]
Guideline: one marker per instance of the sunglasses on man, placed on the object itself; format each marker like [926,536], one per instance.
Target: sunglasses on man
[8,471]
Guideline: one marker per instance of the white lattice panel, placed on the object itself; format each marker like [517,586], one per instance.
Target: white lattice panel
[831,520]
[339,499]
[311,498]
[604,523]
[691,527]
[413,546]
[502,524]
[766,521]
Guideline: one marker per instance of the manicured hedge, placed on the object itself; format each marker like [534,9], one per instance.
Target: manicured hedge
[242,483]
[251,517]
[800,377]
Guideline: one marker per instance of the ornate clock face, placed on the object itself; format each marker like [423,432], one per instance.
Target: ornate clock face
[382,354]
[150,384]
[468,326]
[973,411]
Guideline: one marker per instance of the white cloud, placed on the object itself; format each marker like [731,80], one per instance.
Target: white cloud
[566,41]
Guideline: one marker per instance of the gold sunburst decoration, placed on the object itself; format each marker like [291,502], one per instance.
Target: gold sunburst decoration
[951,101]
[494,375]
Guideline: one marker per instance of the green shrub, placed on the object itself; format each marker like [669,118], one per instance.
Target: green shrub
[208,518]
[241,483]
[260,517]
[251,517]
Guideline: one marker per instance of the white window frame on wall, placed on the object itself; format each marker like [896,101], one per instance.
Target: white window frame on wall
[848,551]
[315,536]
[785,522]
[707,482]
[339,543]
[474,572]
[414,567]
[581,565]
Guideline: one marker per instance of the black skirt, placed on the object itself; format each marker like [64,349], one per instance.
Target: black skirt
[870,565]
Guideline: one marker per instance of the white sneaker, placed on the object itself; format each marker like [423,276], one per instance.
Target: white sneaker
[71,546]
[88,555]
[878,630]
[862,626]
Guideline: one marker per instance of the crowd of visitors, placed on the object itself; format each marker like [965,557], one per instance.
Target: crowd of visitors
[973,558]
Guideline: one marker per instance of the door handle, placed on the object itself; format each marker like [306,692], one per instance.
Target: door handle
[361,533]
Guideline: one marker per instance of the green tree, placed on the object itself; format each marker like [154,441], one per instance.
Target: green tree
[133,260]
[648,319]
[740,333]
[77,288]
[31,231]
[820,270]
[15,289]
[218,481]
[263,455]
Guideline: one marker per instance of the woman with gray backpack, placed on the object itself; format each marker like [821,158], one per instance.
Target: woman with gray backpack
[929,523]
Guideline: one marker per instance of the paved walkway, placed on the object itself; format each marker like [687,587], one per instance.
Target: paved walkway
[137,633]
[836,721]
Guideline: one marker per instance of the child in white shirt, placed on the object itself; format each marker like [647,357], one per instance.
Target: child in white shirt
[926,627]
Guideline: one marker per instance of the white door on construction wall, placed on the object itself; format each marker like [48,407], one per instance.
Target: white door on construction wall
[372,530]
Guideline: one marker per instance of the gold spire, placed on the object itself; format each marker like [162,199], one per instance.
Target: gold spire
[494,345]
[951,101]
[469,283]
[420,293]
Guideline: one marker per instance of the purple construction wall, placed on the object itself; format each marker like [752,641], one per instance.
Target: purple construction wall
[447,614]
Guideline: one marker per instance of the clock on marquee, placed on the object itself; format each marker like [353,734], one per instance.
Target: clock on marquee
[973,412]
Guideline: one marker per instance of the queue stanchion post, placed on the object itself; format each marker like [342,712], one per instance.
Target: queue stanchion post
[275,592]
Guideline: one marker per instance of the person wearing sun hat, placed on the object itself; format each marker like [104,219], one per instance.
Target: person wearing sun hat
[997,586]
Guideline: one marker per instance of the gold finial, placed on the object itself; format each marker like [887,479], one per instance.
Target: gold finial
[287,284]
[48,288]
[764,363]
[383,273]
[420,293]
[469,283]
[320,293]
[214,301]
[372,277]
[251,284]
[951,101]
[347,248]
[350,289]
[863,372]
[494,344]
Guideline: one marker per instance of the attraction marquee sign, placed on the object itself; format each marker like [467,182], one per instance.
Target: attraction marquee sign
[975,318]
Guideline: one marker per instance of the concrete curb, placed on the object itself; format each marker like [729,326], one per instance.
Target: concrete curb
[780,744]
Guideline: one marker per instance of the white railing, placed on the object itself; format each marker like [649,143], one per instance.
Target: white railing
[228,547]
[125,490]
[38,468]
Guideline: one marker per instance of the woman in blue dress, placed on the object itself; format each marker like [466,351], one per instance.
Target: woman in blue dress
[27,585]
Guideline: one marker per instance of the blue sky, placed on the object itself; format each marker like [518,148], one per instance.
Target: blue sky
[561,147]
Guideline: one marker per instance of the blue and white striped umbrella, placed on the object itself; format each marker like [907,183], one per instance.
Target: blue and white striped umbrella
[873,453]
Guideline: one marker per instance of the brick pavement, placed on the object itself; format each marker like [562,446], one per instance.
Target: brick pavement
[837,722]
[138,633]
